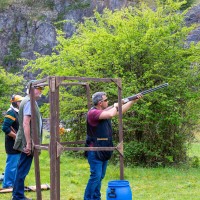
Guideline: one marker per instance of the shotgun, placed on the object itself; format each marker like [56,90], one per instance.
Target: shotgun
[125,100]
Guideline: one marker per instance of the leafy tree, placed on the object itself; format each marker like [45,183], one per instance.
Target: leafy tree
[143,47]
[9,84]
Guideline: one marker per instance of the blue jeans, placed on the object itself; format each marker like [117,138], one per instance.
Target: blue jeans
[10,170]
[23,169]
[97,173]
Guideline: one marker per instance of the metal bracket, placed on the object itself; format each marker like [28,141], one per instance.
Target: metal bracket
[60,149]
[120,149]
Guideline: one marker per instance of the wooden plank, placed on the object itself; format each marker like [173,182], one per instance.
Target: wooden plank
[26,188]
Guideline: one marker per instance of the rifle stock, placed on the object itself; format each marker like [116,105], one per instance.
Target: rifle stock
[131,98]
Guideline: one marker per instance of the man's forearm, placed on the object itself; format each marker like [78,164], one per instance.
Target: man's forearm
[27,134]
[127,106]
[12,134]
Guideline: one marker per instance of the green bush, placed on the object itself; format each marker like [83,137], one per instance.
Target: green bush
[41,3]
[194,162]
[145,48]
[4,4]
[185,4]
[9,84]
[14,54]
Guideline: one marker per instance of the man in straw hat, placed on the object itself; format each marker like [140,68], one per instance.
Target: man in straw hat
[24,141]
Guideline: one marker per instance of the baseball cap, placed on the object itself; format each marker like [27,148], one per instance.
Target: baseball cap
[16,98]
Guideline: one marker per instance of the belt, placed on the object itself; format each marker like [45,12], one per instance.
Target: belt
[102,138]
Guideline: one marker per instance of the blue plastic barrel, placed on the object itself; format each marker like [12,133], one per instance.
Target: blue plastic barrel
[118,190]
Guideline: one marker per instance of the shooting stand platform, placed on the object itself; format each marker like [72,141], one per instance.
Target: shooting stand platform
[55,147]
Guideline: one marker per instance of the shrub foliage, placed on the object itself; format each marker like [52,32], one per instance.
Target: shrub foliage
[145,48]
[9,84]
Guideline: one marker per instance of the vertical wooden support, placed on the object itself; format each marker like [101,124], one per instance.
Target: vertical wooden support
[54,148]
[88,96]
[54,139]
[35,141]
[120,128]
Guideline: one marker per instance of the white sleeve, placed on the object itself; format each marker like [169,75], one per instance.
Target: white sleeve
[27,108]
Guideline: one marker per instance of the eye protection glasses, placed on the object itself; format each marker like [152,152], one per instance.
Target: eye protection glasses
[39,88]
[104,100]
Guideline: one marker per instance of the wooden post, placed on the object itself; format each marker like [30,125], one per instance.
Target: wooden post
[121,158]
[35,141]
[54,139]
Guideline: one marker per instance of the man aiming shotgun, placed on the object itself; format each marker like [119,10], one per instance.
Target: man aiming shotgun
[99,134]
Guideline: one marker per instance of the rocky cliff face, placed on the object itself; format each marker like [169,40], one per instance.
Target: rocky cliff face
[193,16]
[25,30]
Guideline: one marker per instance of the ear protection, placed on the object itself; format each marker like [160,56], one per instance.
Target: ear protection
[13,101]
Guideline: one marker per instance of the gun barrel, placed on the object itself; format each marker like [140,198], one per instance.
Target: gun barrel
[154,89]
[144,92]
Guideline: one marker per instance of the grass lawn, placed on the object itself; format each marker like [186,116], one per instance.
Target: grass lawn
[146,183]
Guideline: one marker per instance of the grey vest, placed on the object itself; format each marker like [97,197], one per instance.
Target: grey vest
[20,141]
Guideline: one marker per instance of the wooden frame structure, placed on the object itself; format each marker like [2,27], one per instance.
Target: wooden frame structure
[55,148]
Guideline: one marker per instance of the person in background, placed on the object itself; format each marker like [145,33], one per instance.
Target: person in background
[99,134]
[24,140]
[10,127]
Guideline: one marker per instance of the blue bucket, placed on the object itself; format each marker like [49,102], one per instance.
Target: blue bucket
[118,190]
